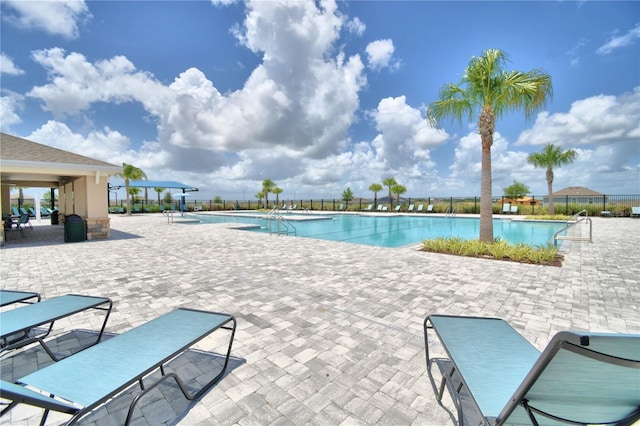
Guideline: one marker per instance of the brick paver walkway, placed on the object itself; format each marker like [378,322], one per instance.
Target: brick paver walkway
[331,332]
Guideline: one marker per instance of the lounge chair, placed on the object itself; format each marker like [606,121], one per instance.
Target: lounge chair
[16,212]
[398,207]
[514,209]
[23,211]
[410,208]
[88,379]
[420,208]
[385,208]
[44,212]
[506,208]
[32,212]
[9,297]
[496,377]
[430,208]
[22,222]
[18,326]
[369,207]
[635,211]
[380,207]
[341,207]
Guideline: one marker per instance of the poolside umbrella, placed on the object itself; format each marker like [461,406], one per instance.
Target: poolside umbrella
[181,195]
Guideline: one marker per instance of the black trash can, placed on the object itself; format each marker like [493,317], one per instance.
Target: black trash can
[74,229]
[54,217]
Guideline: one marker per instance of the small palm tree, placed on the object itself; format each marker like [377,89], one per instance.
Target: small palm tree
[277,191]
[375,188]
[390,182]
[129,173]
[259,196]
[159,191]
[487,89]
[267,186]
[549,157]
[398,190]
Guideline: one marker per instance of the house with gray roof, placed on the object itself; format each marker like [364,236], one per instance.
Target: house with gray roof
[576,195]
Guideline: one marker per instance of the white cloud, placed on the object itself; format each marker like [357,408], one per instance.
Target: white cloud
[105,145]
[54,17]
[76,84]
[9,105]
[620,41]
[297,104]
[356,26]
[8,67]
[595,120]
[380,54]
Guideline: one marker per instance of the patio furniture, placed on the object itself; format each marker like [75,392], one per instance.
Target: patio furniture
[506,208]
[430,208]
[19,327]
[9,297]
[635,211]
[410,208]
[80,383]
[420,207]
[514,209]
[496,377]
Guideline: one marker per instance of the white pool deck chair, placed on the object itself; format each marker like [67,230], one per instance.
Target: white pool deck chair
[506,208]
[635,211]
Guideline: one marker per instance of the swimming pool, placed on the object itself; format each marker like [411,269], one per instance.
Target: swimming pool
[396,230]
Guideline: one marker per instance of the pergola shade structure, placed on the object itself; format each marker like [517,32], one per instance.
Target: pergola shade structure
[81,181]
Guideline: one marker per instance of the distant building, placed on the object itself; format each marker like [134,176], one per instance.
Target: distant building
[576,195]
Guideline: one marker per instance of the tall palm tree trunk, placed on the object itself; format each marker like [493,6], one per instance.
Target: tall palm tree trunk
[486,202]
[486,126]
[552,210]
[126,186]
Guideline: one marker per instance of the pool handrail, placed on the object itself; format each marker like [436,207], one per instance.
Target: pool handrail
[575,219]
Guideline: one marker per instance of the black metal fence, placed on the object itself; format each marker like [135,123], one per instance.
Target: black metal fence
[615,205]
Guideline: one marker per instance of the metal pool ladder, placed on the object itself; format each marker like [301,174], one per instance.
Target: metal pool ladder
[577,218]
[283,226]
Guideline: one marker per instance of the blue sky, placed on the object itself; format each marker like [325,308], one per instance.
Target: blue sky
[320,96]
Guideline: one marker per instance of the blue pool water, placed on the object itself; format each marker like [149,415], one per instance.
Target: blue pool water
[397,231]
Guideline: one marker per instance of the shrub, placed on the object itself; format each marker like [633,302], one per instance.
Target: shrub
[501,250]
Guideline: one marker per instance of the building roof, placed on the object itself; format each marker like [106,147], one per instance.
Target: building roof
[31,164]
[576,191]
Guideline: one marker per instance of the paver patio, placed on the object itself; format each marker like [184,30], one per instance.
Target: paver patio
[331,332]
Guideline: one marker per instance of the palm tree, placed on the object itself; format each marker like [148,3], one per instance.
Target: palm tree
[129,173]
[158,190]
[490,91]
[375,188]
[259,196]
[277,191]
[398,190]
[390,182]
[549,157]
[267,187]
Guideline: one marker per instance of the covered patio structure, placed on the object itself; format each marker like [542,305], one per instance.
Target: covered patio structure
[81,181]
[164,184]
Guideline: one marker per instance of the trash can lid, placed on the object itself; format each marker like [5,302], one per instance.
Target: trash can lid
[73,218]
